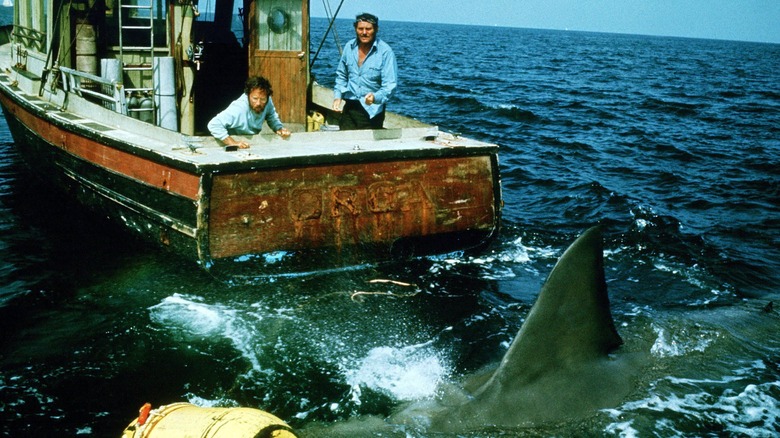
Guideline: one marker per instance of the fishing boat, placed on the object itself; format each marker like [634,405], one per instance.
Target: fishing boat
[109,101]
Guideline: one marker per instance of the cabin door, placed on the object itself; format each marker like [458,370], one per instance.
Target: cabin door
[279,50]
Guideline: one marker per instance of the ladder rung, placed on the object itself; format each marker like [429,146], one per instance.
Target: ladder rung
[146,69]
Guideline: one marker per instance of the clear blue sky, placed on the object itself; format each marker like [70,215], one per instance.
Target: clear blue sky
[743,20]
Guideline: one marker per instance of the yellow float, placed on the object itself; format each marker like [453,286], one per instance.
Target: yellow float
[185,420]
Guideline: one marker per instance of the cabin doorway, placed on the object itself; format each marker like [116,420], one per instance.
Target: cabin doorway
[219,56]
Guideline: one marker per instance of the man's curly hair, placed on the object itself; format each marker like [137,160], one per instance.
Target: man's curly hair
[258,82]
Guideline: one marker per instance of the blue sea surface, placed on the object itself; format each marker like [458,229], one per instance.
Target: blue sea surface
[672,144]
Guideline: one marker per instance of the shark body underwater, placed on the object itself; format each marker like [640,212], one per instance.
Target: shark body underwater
[559,367]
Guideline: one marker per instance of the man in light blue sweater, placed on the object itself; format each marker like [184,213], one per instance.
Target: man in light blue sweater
[245,115]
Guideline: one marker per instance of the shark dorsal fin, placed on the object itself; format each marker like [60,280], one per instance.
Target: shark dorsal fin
[570,322]
[558,364]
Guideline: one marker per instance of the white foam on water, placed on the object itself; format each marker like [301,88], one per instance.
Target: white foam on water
[697,277]
[497,264]
[210,403]
[190,315]
[519,253]
[623,430]
[192,318]
[673,342]
[269,257]
[406,373]
[744,409]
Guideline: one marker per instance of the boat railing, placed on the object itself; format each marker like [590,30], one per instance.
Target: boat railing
[30,38]
[108,92]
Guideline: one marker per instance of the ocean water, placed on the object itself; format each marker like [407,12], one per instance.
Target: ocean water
[672,144]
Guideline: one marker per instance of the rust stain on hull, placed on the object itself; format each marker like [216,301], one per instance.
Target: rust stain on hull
[350,204]
[141,169]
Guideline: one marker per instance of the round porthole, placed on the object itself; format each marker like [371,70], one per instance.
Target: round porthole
[278,20]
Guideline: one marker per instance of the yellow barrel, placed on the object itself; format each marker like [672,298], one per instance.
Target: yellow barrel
[185,420]
[314,120]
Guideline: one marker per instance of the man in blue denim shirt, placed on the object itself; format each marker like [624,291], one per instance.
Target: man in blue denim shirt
[365,77]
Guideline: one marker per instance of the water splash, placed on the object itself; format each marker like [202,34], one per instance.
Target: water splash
[673,341]
[407,373]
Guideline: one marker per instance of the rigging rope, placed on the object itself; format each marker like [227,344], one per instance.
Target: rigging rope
[55,34]
[330,25]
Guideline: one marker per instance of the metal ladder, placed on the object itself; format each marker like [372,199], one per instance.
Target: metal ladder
[145,91]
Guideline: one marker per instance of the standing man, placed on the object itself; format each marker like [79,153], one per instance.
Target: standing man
[365,77]
[245,115]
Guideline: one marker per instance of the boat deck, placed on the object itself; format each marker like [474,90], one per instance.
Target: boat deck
[405,138]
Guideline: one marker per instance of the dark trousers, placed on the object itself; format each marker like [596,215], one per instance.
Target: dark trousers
[355,116]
